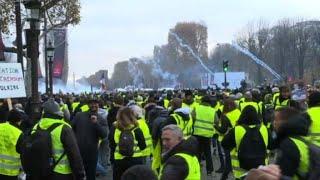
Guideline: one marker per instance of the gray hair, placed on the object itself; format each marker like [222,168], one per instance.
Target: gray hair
[175,129]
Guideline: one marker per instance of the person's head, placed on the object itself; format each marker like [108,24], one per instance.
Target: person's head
[282,116]
[229,105]
[285,92]
[94,105]
[15,117]
[137,110]
[206,100]
[51,107]
[125,118]
[314,99]
[249,116]
[188,96]
[176,103]
[139,172]
[171,136]
[119,100]
[248,96]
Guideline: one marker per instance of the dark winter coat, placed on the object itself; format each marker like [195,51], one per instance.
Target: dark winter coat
[288,155]
[176,167]
[88,134]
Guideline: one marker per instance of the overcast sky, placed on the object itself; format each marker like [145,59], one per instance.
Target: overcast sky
[115,30]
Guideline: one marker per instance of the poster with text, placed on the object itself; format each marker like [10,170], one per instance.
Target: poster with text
[11,81]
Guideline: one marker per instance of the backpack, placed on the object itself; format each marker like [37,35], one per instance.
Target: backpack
[126,142]
[36,152]
[314,160]
[252,150]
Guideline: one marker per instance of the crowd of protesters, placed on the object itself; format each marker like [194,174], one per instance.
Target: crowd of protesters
[269,132]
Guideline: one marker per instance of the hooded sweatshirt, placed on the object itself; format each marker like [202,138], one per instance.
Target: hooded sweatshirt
[184,113]
[288,155]
[175,167]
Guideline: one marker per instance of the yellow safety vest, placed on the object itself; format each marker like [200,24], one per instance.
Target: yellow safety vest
[194,172]
[117,155]
[74,106]
[63,167]
[217,107]
[304,157]
[191,106]
[233,116]
[314,134]
[203,124]
[84,108]
[197,99]
[278,105]
[239,133]
[274,97]
[166,103]
[185,126]
[254,104]
[146,133]
[63,107]
[156,157]
[9,158]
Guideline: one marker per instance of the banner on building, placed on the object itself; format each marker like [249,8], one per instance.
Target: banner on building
[59,60]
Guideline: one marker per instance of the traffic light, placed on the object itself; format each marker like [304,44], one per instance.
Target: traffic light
[225,66]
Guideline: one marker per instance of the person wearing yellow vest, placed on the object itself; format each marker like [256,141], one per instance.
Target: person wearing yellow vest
[249,102]
[292,156]
[314,113]
[179,158]
[63,141]
[160,115]
[139,114]
[283,99]
[241,159]
[181,117]
[188,101]
[204,116]
[228,120]
[10,136]
[126,121]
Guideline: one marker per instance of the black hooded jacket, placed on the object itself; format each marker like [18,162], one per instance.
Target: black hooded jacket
[288,155]
[248,117]
[175,167]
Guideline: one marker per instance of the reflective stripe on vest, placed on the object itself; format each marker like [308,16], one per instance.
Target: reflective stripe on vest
[314,135]
[203,124]
[136,149]
[239,133]
[146,133]
[194,172]
[63,167]
[185,126]
[233,116]
[304,157]
[9,158]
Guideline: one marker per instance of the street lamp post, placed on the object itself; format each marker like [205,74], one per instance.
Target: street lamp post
[50,54]
[32,38]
